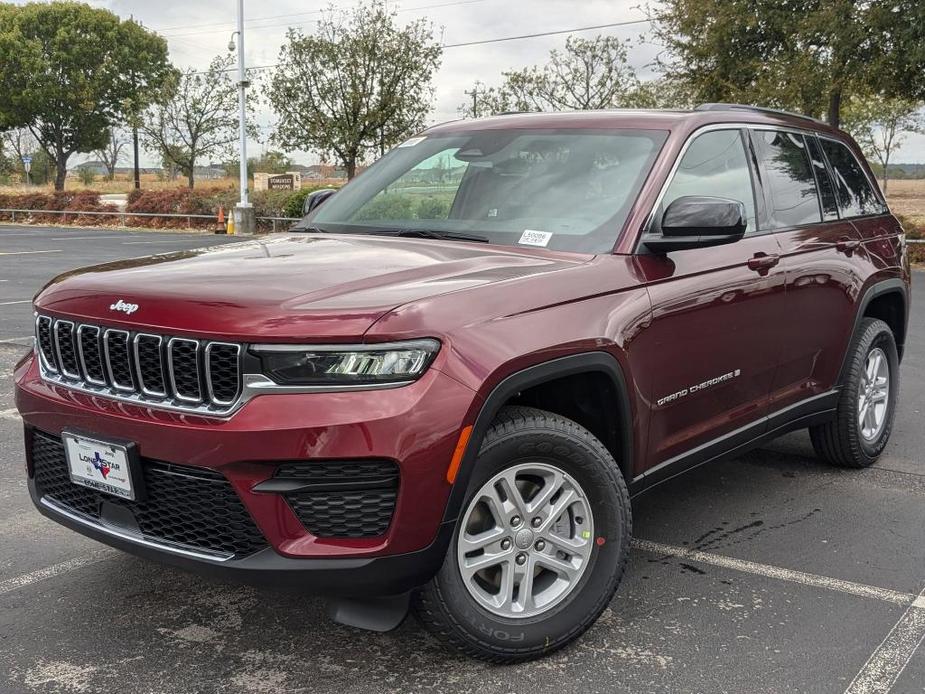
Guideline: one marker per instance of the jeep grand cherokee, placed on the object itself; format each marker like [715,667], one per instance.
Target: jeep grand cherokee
[444,390]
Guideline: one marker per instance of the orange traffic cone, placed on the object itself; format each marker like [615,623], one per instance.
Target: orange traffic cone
[220,228]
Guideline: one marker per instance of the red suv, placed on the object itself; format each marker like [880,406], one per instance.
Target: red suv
[446,388]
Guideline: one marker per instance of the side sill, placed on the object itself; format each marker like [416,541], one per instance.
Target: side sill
[814,410]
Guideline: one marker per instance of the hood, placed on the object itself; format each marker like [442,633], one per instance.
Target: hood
[285,287]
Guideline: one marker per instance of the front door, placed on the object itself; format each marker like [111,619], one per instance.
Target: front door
[708,358]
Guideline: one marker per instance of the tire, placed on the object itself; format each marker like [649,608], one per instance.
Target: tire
[844,441]
[530,442]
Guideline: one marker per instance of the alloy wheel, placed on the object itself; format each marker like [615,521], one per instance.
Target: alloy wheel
[874,394]
[525,540]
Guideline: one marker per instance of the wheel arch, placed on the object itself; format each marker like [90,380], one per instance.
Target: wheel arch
[887,300]
[534,376]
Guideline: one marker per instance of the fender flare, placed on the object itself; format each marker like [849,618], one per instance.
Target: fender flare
[893,285]
[571,365]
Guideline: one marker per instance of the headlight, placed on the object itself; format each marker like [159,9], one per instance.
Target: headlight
[328,365]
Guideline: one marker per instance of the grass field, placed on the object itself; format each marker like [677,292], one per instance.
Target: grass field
[907,198]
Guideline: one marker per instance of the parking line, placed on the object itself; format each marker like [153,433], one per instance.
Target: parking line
[891,657]
[17,340]
[78,238]
[11,303]
[57,250]
[860,589]
[17,582]
[12,413]
[139,243]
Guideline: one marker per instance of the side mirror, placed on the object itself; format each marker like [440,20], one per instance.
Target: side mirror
[313,200]
[698,221]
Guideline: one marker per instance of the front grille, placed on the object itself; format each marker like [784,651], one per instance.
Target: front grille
[343,499]
[171,372]
[192,507]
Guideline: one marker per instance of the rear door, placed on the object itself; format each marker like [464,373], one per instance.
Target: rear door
[822,257]
[707,360]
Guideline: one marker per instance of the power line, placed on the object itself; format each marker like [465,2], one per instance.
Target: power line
[547,33]
[511,38]
[227,27]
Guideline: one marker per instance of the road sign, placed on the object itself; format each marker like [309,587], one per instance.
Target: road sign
[27,163]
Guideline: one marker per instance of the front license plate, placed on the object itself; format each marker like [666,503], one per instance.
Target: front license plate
[99,465]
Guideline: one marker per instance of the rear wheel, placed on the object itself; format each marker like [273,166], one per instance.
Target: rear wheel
[540,546]
[867,402]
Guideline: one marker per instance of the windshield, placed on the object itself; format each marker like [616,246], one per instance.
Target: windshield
[564,190]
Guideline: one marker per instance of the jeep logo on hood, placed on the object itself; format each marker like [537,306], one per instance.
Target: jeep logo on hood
[120,305]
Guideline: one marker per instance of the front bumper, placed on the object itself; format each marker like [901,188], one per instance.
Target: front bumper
[416,426]
[362,576]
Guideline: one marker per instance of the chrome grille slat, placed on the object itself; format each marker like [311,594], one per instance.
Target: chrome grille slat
[149,359]
[185,382]
[91,354]
[172,373]
[118,360]
[222,385]
[64,349]
[44,342]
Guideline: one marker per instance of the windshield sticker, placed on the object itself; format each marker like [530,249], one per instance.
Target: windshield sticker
[412,142]
[531,237]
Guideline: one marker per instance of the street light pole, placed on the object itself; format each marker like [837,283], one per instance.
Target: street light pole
[244,213]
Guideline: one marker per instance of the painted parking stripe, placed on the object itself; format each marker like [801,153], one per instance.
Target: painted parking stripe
[12,303]
[27,339]
[887,663]
[78,238]
[860,589]
[12,413]
[57,250]
[28,579]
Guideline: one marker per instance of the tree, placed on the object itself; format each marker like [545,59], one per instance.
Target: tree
[589,74]
[21,143]
[805,56]
[63,75]
[111,154]
[359,85]
[146,71]
[195,116]
[881,125]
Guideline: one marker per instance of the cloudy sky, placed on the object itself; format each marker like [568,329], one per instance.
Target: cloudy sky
[198,30]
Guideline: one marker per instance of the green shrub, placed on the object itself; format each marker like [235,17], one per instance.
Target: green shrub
[387,206]
[433,208]
[86,176]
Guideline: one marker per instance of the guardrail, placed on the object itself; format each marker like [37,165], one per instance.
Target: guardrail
[122,215]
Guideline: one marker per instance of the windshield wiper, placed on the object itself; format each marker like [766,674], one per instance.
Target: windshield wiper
[434,234]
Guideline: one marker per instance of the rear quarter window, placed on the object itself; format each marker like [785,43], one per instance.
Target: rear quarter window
[856,196]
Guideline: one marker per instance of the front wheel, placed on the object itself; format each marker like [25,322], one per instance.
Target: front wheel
[540,546]
[867,402]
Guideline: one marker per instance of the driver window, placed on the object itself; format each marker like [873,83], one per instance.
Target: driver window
[715,164]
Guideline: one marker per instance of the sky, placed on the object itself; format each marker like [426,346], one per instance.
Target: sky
[198,30]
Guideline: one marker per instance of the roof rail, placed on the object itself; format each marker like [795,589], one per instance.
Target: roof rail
[756,109]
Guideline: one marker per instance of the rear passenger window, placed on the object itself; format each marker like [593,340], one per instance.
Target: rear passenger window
[789,179]
[856,196]
[715,164]
[826,190]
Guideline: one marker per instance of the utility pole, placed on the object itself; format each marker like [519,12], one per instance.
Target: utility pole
[244,221]
[475,99]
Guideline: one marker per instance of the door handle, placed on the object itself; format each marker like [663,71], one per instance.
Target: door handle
[847,245]
[763,262]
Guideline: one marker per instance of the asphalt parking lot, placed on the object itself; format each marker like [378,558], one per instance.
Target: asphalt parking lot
[768,573]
